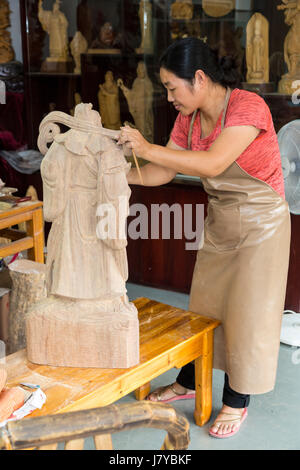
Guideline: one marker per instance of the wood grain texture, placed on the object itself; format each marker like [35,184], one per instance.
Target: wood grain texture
[169,337]
[45,432]
[28,287]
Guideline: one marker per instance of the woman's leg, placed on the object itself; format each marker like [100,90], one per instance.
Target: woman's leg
[185,384]
[230,416]
[232,398]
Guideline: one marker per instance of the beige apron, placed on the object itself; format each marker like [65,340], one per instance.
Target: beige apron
[241,273]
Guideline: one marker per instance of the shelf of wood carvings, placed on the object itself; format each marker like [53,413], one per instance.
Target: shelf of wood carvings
[32,239]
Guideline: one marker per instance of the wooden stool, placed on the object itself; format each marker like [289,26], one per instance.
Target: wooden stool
[169,337]
[31,240]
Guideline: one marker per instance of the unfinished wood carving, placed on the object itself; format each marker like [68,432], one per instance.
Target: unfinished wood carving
[56,25]
[291,46]
[78,46]
[109,106]
[218,8]
[140,100]
[257,49]
[182,10]
[7,53]
[86,319]
[145,15]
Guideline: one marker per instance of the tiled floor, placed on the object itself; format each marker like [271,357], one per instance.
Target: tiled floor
[274,418]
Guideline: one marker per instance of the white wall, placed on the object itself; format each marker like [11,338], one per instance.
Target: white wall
[15,29]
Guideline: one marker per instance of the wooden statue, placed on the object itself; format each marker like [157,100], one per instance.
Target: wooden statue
[86,319]
[291,46]
[56,25]
[78,46]
[77,100]
[257,49]
[7,53]
[218,8]
[107,41]
[109,106]
[182,10]
[145,14]
[140,99]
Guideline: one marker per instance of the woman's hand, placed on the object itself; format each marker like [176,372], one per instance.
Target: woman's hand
[133,139]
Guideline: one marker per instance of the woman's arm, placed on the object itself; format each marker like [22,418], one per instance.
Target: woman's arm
[153,174]
[228,146]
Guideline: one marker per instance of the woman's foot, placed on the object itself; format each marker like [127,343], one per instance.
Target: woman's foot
[171,393]
[228,421]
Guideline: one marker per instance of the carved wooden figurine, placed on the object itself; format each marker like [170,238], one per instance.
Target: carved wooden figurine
[145,14]
[6,51]
[218,8]
[257,50]
[109,106]
[291,46]
[78,46]
[140,99]
[56,25]
[86,319]
[182,10]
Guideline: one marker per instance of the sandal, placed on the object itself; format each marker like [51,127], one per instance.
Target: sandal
[231,418]
[178,396]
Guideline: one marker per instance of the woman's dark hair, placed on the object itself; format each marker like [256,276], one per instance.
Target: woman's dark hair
[185,56]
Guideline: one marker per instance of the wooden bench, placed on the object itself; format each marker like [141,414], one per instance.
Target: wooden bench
[169,337]
[32,239]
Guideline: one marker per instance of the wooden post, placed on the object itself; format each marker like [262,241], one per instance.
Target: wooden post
[203,381]
[28,278]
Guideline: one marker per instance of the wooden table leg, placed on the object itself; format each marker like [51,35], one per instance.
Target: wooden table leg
[203,381]
[35,229]
[143,391]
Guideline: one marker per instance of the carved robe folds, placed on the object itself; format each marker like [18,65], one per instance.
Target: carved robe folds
[86,320]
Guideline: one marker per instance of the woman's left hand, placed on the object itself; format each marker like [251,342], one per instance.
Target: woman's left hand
[133,139]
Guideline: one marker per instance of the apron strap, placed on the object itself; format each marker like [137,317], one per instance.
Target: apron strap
[191,129]
[227,97]
[228,93]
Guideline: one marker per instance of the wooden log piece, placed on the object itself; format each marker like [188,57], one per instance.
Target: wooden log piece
[28,279]
[47,430]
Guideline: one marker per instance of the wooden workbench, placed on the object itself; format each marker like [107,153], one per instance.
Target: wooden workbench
[169,337]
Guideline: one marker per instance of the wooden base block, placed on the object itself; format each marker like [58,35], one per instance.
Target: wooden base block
[81,333]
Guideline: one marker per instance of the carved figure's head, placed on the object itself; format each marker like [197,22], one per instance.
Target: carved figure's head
[141,70]
[84,112]
[56,6]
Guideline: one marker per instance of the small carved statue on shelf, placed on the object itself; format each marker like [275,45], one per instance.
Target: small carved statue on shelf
[182,10]
[107,40]
[291,45]
[86,319]
[56,25]
[77,100]
[6,51]
[257,50]
[145,14]
[78,46]
[217,8]
[109,106]
[140,100]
